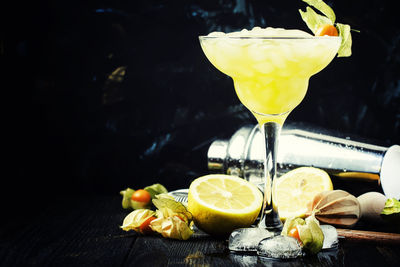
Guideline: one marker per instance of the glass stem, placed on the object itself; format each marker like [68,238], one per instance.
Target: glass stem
[269,216]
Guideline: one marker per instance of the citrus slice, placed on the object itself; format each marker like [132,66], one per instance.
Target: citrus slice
[221,203]
[293,190]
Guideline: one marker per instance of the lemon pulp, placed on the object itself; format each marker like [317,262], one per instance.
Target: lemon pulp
[293,190]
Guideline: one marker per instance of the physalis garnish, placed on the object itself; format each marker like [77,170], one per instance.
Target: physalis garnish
[315,21]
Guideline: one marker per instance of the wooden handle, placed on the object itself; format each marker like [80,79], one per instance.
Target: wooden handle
[369,236]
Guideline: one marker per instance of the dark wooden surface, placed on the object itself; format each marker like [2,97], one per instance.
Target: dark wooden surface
[84,231]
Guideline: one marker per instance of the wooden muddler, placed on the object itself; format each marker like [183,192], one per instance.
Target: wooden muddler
[369,236]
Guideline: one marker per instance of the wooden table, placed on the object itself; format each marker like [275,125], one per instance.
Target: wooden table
[84,231]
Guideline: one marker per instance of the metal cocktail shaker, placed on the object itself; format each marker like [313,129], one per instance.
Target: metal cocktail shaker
[301,145]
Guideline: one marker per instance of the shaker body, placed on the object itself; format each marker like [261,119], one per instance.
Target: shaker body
[301,145]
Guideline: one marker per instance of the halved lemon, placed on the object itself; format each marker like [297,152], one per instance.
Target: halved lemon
[293,190]
[221,203]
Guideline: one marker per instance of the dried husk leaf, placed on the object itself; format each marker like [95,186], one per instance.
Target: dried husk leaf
[134,219]
[173,219]
[156,189]
[305,235]
[172,227]
[317,235]
[126,198]
[335,207]
[290,223]
[323,8]
[310,233]
[170,207]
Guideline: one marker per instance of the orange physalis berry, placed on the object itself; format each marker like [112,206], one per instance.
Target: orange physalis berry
[327,29]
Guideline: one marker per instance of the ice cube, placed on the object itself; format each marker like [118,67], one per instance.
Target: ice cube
[280,247]
[277,60]
[247,239]
[330,236]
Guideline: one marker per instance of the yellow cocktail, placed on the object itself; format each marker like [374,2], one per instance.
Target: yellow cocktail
[270,69]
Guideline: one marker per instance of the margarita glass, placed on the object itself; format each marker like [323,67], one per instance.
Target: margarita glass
[270,69]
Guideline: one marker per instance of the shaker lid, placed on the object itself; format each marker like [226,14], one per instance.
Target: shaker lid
[390,172]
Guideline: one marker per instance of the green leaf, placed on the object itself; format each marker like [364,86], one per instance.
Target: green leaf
[391,212]
[392,206]
[313,20]
[345,46]
[323,8]
[156,189]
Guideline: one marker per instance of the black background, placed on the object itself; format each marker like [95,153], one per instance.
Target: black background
[73,130]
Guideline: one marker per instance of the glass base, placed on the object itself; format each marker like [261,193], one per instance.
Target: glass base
[274,226]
